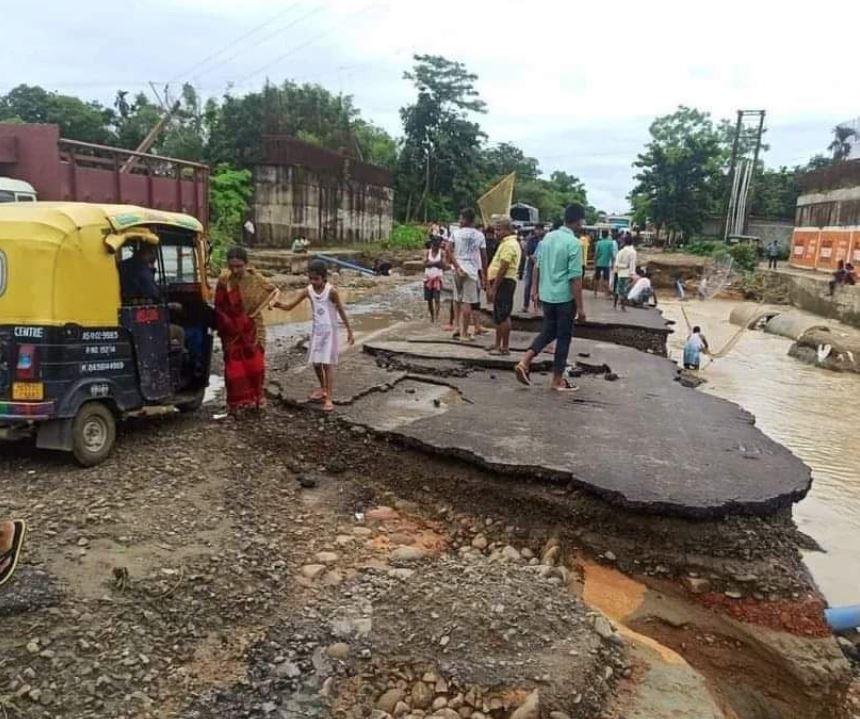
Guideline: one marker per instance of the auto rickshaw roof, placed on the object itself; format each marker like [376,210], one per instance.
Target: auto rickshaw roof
[62,218]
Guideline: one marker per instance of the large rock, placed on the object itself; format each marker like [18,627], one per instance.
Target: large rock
[312,571]
[407,555]
[530,708]
[422,696]
[390,699]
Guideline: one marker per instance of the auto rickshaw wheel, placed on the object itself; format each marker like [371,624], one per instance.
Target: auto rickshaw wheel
[93,434]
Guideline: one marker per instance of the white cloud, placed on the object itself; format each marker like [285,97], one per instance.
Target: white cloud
[575,84]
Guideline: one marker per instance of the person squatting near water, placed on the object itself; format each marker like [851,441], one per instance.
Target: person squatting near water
[558,286]
[502,282]
[241,295]
[642,291]
[326,305]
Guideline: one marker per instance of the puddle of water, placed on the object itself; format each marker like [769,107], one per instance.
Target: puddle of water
[216,386]
[365,315]
[809,410]
[408,402]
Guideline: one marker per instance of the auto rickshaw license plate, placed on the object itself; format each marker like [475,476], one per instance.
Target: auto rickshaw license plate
[28,391]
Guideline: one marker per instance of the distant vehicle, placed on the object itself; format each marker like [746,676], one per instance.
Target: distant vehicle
[597,229]
[523,216]
[12,190]
[619,222]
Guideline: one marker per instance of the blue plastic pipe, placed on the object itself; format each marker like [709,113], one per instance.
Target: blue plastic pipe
[841,619]
[344,263]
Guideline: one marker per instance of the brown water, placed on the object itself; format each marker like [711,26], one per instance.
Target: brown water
[368,310]
[811,411]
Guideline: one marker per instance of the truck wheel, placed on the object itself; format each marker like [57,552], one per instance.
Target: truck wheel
[93,434]
[192,405]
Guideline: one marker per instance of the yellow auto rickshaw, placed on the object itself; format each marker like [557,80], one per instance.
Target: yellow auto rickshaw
[104,310]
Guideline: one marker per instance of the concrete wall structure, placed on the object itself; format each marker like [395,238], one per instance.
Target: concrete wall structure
[766,230]
[811,292]
[301,190]
[830,197]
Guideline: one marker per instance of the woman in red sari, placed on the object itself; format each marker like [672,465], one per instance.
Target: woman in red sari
[240,297]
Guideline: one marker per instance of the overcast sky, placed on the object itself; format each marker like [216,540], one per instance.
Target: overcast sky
[573,84]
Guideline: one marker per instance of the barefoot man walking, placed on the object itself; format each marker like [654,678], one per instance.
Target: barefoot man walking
[558,285]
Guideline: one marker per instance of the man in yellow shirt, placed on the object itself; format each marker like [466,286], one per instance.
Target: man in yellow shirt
[585,239]
[502,278]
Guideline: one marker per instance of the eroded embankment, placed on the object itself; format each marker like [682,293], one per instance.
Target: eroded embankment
[730,598]
[729,595]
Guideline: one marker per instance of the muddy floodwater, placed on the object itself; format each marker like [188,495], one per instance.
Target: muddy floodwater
[811,411]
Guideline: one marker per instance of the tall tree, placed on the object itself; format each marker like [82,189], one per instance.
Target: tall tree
[78,120]
[842,143]
[439,166]
[774,193]
[504,158]
[309,112]
[679,177]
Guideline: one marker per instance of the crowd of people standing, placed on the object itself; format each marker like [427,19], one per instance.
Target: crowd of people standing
[551,266]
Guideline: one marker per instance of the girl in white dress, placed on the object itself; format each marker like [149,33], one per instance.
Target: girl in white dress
[322,351]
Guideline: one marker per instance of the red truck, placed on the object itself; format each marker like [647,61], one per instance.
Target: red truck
[68,170]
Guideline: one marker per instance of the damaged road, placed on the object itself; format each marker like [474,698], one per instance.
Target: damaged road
[640,440]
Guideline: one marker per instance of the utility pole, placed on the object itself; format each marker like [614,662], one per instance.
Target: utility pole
[735,206]
[759,133]
[153,134]
[730,177]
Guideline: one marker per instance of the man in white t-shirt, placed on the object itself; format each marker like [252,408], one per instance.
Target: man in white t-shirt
[468,260]
[625,266]
[642,290]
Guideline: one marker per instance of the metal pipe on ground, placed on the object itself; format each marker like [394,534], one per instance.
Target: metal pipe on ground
[344,264]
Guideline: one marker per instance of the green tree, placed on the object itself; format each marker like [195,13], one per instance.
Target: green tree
[439,167]
[505,158]
[185,134]
[774,193]
[374,145]
[841,145]
[230,190]
[78,120]
[679,178]
[235,128]
[133,119]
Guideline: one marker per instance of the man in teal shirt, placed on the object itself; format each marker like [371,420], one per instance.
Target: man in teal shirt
[558,285]
[604,258]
